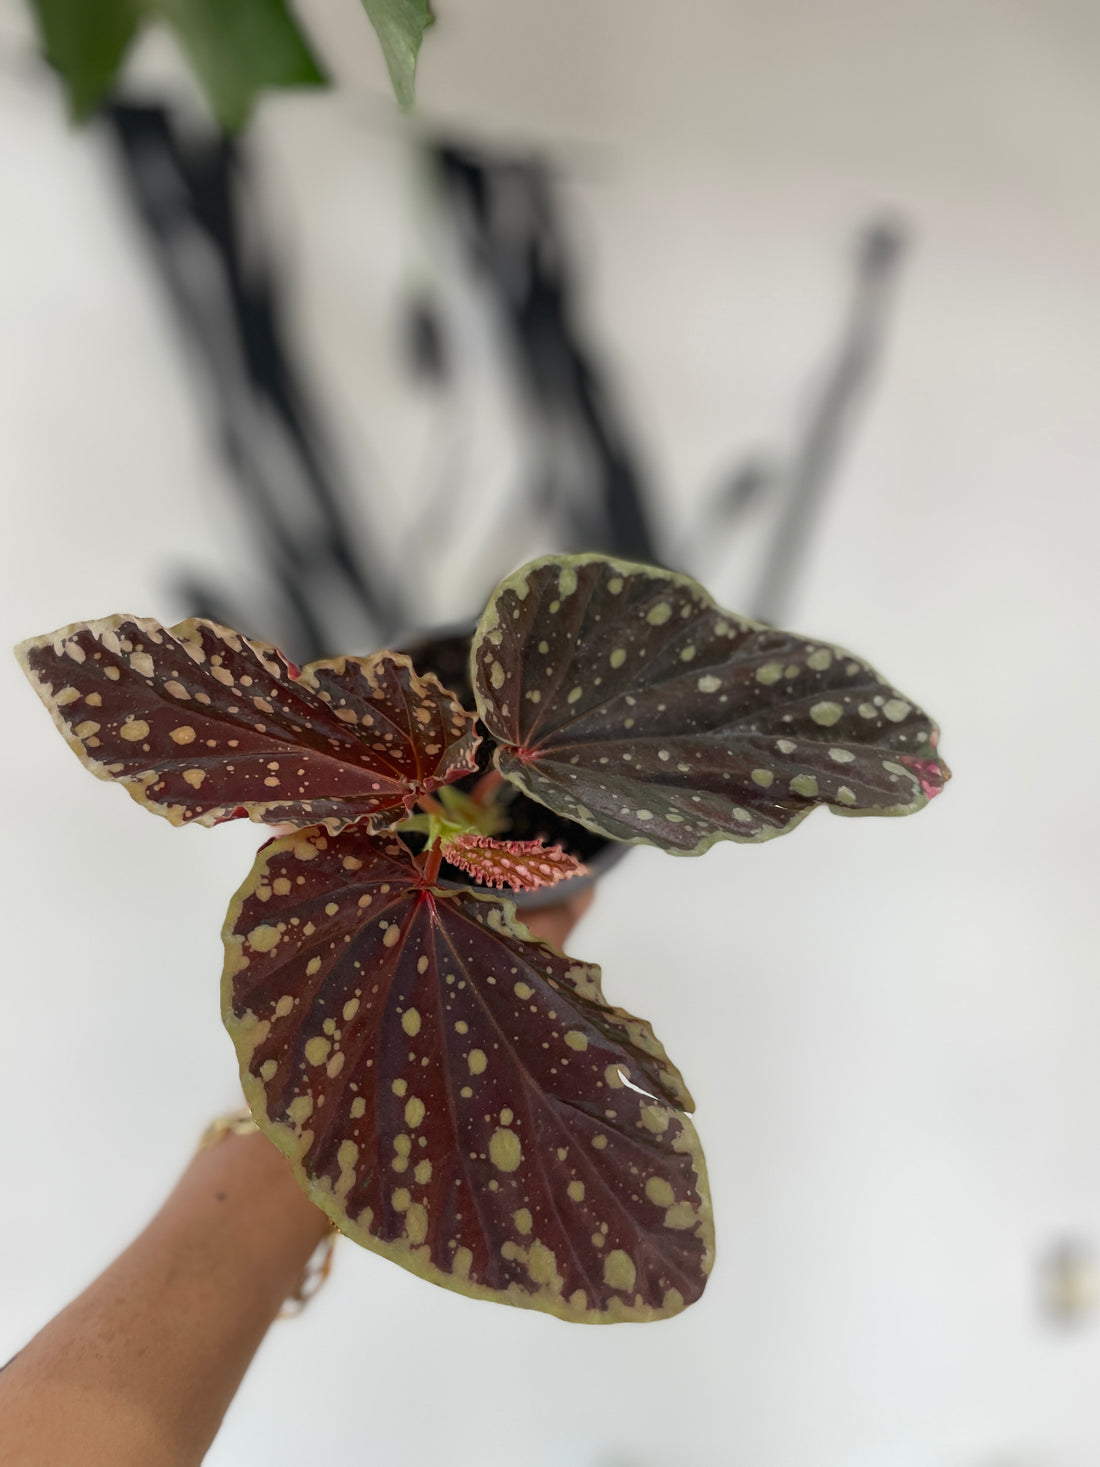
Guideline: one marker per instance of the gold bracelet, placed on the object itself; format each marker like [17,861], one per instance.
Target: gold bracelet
[236,1123]
[319,1264]
[313,1277]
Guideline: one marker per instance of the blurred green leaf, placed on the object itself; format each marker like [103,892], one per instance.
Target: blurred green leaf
[400,25]
[239,47]
[236,47]
[86,43]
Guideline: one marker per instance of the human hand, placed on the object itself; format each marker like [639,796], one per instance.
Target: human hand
[555,923]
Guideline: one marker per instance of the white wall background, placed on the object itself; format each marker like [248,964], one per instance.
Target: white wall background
[891,1028]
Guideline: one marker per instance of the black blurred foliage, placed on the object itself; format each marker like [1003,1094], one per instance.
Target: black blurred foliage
[327,586]
[192,197]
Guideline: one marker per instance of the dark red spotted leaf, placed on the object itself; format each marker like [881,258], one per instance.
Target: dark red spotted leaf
[202,725]
[456,1095]
[524,865]
[625,699]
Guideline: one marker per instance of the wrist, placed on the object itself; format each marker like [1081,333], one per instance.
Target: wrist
[250,1181]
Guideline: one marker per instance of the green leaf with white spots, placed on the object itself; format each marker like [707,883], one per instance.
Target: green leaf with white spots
[623,698]
[457,1096]
[200,724]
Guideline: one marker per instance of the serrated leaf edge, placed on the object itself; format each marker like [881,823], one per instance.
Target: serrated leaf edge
[183,631]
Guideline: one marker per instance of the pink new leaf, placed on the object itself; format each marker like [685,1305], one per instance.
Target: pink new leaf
[524,865]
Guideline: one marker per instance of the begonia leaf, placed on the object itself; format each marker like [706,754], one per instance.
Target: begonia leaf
[201,724]
[524,865]
[625,699]
[456,1095]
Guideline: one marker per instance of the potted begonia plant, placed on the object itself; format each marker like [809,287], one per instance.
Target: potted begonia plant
[455,1094]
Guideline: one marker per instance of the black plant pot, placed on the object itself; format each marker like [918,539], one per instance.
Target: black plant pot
[446,653]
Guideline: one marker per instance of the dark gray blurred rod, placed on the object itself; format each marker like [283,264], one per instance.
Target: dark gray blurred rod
[309,547]
[878,257]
